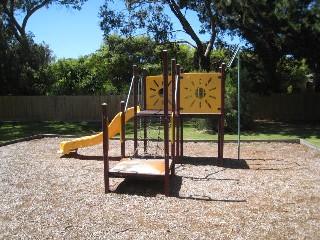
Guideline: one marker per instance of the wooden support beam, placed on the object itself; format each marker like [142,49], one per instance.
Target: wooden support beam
[105,124]
[166,122]
[173,115]
[221,120]
[122,130]
[135,104]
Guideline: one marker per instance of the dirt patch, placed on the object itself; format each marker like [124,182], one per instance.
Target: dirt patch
[272,192]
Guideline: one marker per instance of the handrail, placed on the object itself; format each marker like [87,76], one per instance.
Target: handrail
[176,92]
[129,93]
[233,57]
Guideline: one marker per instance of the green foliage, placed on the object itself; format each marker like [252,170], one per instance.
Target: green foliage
[276,29]
[20,69]
[79,77]
[150,18]
[23,63]
[292,73]
[231,100]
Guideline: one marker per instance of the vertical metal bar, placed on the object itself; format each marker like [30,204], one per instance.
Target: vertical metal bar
[105,143]
[173,110]
[122,130]
[165,117]
[239,105]
[135,104]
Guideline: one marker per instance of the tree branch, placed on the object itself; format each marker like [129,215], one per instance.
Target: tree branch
[32,11]
[213,28]
[185,24]
[13,24]
[186,41]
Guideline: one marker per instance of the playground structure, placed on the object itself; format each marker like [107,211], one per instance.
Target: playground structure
[168,97]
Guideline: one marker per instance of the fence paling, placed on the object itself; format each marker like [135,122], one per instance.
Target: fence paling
[295,106]
[56,108]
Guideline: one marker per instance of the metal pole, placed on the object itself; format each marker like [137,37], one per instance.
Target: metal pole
[239,105]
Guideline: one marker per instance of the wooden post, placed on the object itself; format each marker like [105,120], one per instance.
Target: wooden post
[178,71]
[221,120]
[135,104]
[173,114]
[105,124]
[181,135]
[165,117]
[122,130]
[144,119]
[180,142]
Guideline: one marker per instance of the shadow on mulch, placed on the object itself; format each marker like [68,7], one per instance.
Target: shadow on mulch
[272,164]
[204,161]
[196,161]
[78,156]
[146,188]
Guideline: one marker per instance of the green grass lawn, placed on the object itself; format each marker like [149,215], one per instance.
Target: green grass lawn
[262,130]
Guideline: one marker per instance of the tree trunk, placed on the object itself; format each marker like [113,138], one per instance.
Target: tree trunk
[201,61]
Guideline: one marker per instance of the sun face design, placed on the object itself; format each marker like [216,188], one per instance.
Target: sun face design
[154,92]
[200,93]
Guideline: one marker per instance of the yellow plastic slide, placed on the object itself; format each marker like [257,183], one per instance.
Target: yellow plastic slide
[114,128]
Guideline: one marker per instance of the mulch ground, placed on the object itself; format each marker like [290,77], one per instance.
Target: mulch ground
[272,192]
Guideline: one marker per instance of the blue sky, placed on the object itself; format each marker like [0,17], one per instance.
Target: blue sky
[71,33]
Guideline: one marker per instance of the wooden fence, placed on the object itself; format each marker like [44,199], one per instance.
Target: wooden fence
[294,106]
[88,108]
[57,108]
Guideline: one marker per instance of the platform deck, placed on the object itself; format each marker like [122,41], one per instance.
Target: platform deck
[139,168]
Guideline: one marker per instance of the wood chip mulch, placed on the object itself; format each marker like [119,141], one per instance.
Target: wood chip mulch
[272,192]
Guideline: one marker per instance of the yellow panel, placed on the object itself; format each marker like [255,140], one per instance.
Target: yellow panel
[200,93]
[154,92]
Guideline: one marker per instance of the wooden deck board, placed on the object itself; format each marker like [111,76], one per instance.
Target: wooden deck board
[139,167]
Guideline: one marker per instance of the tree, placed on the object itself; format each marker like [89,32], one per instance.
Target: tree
[22,60]
[9,10]
[276,28]
[151,18]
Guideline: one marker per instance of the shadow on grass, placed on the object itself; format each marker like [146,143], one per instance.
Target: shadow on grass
[302,130]
[15,130]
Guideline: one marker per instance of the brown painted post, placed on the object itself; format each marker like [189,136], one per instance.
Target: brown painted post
[178,71]
[165,117]
[105,143]
[180,116]
[221,120]
[144,86]
[181,135]
[122,130]
[173,110]
[135,104]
